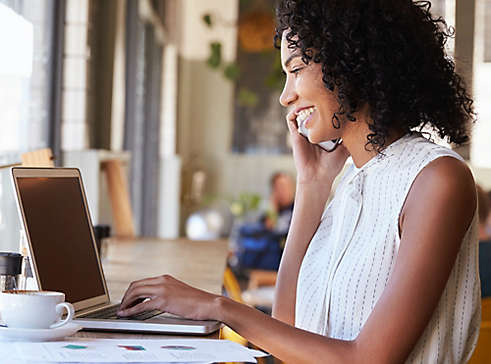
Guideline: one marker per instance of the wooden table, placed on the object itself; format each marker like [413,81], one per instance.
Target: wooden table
[198,263]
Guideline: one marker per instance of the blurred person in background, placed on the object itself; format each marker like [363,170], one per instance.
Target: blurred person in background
[260,244]
[488,220]
[277,218]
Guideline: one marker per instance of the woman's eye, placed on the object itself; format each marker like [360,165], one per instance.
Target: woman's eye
[296,70]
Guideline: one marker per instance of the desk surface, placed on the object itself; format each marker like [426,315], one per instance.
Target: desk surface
[198,263]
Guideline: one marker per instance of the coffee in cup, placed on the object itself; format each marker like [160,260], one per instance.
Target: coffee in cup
[34,309]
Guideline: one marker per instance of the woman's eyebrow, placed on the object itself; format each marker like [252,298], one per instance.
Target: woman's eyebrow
[291,58]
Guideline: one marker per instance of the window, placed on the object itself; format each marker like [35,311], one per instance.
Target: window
[25,77]
[26,93]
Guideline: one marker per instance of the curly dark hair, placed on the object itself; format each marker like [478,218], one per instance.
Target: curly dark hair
[389,54]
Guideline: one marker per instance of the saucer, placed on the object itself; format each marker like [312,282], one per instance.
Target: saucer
[18,334]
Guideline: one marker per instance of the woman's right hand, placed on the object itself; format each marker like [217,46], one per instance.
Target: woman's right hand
[314,164]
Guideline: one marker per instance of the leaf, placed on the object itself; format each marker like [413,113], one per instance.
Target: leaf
[247,98]
[232,72]
[215,58]
[207,20]
[254,201]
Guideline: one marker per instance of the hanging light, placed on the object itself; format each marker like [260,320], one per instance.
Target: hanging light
[256,30]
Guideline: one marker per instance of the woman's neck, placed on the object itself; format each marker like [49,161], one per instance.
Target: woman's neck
[355,140]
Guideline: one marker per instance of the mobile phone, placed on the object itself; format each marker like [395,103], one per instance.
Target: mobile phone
[328,145]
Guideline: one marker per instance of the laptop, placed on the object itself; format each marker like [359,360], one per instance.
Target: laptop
[64,256]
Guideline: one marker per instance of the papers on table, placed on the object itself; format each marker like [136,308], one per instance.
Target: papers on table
[128,351]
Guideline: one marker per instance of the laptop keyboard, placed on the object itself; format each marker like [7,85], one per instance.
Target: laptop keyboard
[111,314]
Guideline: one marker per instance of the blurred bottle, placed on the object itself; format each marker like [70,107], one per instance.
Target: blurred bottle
[10,269]
[26,280]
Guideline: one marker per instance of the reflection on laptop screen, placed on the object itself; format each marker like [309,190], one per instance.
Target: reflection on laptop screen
[60,236]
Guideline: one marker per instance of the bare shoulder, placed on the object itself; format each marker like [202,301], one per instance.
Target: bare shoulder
[447,176]
[444,186]
[448,169]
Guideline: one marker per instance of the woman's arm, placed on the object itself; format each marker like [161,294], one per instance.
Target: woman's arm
[316,171]
[436,216]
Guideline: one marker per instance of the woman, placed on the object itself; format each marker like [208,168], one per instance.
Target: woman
[387,272]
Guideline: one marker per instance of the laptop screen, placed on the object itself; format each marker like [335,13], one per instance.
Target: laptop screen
[60,236]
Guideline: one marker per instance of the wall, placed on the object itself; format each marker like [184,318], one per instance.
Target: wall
[481,136]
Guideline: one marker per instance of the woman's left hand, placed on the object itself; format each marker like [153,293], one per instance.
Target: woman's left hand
[167,294]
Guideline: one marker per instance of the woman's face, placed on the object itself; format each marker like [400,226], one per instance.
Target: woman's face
[306,95]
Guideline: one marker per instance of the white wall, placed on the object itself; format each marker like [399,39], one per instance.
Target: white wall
[481,136]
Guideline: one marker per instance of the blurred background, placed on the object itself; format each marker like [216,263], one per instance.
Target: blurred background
[182,95]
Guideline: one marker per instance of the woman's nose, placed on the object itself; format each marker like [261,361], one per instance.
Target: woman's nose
[288,95]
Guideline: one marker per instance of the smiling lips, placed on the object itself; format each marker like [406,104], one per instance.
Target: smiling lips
[304,115]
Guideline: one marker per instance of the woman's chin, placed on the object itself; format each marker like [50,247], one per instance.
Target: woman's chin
[314,140]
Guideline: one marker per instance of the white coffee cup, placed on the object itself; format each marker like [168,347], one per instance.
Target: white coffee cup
[34,309]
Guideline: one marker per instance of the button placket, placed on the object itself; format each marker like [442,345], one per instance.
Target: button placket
[353,202]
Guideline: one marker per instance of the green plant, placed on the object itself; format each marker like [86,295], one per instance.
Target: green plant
[230,70]
[246,202]
[247,97]
[215,59]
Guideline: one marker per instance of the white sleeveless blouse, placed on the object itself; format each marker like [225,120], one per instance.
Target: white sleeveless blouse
[351,256]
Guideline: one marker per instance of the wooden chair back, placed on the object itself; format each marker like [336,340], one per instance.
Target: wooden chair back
[38,158]
[486,309]
[259,278]
[482,354]
[232,286]
[120,198]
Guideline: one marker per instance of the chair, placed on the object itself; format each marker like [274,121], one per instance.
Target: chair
[260,291]
[232,287]
[482,354]
[38,158]
[258,278]
[120,199]
[486,309]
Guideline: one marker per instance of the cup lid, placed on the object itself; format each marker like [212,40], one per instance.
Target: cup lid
[10,263]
